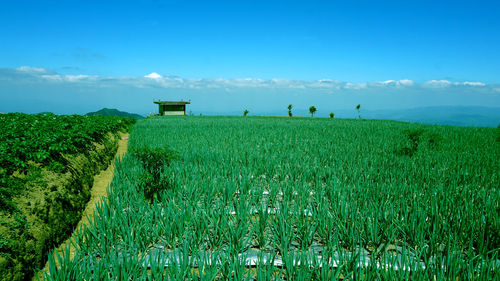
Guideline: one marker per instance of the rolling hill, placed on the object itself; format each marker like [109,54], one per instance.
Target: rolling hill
[114,112]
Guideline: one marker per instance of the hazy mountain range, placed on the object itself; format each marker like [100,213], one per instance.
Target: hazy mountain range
[453,115]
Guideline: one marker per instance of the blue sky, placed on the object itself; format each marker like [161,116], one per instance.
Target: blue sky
[356,44]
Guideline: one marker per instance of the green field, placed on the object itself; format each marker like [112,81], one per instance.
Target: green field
[236,198]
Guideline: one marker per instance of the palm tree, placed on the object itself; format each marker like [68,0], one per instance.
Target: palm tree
[312,110]
[245,112]
[357,108]
[290,110]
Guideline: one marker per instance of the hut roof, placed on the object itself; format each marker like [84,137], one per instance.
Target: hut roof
[172,102]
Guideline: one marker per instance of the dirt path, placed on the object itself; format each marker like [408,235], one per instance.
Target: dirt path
[98,191]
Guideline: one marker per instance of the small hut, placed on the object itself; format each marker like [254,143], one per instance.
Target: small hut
[172,108]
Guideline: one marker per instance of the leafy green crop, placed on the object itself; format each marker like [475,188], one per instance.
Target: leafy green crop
[299,199]
[28,140]
[41,196]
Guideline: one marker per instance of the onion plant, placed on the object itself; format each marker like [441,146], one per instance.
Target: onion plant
[301,199]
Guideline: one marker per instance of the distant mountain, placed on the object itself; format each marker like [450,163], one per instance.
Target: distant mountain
[442,115]
[115,112]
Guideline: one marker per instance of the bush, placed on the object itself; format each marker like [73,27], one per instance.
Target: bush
[414,138]
[154,162]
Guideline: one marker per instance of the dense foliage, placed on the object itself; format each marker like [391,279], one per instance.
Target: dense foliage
[44,139]
[47,164]
[300,199]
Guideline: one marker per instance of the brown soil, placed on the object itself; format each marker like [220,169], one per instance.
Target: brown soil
[98,192]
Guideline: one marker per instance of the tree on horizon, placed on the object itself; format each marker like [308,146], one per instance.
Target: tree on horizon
[357,108]
[290,110]
[312,110]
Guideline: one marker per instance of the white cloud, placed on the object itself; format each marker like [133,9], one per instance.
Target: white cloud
[392,83]
[53,77]
[153,75]
[76,78]
[33,70]
[67,78]
[155,80]
[406,82]
[355,86]
[438,83]
[474,84]
[326,84]
[446,83]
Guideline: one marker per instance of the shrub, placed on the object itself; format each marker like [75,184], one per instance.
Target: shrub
[154,162]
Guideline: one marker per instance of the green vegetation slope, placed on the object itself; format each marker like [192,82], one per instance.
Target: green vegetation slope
[114,112]
[47,164]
